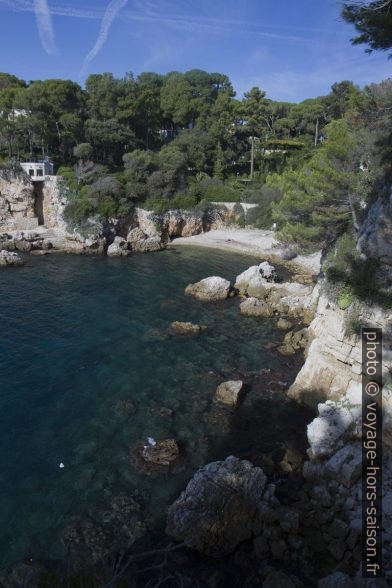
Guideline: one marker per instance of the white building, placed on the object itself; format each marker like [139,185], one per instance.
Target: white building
[37,170]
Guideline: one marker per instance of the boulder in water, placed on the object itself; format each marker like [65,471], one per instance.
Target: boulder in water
[221,507]
[212,288]
[229,392]
[252,281]
[9,258]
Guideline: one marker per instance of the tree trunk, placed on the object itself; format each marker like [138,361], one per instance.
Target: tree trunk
[316,134]
[58,132]
[252,158]
[353,212]
[30,143]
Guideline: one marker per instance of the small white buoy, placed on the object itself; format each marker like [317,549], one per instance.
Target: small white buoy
[61,465]
[151,441]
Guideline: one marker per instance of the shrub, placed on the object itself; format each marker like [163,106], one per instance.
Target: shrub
[78,208]
[345,267]
[261,216]
[345,298]
[353,321]
[240,220]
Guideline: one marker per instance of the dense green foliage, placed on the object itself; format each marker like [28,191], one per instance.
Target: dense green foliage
[163,140]
[373,21]
[183,140]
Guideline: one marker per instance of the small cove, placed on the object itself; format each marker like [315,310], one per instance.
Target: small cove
[88,369]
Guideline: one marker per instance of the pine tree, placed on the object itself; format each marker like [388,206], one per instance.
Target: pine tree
[254,112]
[322,200]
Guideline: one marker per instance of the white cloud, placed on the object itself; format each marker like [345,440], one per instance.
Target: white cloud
[294,85]
[111,12]
[44,24]
[146,13]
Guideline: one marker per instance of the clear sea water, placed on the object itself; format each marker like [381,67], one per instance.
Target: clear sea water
[86,365]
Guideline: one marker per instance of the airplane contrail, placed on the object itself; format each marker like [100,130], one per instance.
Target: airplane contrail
[45,28]
[111,12]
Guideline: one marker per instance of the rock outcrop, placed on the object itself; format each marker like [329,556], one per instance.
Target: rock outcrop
[334,359]
[210,289]
[118,248]
[290,299]
[7,258]
[17,201]
[375,240]
[293,341]
[222,505]
[179,223]
[255,307]
[140,242]
[254,278]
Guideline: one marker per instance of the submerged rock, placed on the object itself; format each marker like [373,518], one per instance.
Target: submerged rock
[184,328]
[221,506]
[210,289]
[163,453]
[284,324]
[229,392]
[293,341]
[9,258]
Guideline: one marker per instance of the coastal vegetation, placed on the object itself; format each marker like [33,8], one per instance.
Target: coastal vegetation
[183,140]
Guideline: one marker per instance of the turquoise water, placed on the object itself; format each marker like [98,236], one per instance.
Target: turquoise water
[86,367]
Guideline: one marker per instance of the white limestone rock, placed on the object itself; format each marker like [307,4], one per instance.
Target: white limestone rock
[9,258]
[256,307]
[118,247]
[210,289]
[229,393]
[254,278]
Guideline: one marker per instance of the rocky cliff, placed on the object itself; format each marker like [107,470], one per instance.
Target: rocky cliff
[17,201]
[333,359]
[32,217]
[319,516]
[375,238]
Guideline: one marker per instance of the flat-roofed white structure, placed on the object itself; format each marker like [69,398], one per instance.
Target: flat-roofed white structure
[37,170]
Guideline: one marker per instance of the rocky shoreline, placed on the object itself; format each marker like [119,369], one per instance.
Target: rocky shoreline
[319,518]
[300,530]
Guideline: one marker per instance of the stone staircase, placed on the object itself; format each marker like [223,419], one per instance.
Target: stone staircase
[58,239]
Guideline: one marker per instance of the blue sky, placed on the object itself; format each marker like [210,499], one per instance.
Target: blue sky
[292,49]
